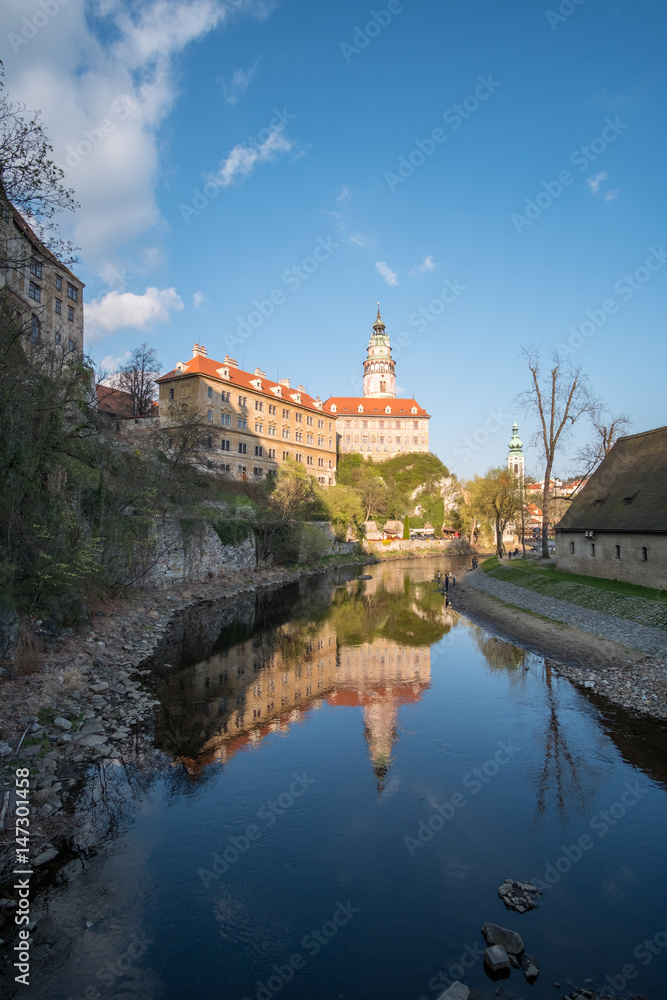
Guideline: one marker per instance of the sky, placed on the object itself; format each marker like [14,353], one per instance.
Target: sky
[254,175]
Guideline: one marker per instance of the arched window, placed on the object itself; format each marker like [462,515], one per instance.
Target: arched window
[34,330]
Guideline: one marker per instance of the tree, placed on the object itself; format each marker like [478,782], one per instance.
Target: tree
[558,398]
[607,429]
[31,181]
[138,378]
[343,508]
[295,495]
[406,529]
[372,491]
[499,496]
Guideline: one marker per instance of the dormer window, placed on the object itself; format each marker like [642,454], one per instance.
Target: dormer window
[334,408]
[223,372]
[360,408]
[413,410]
[387,409]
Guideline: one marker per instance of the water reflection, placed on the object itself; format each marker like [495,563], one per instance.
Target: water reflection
[362,643]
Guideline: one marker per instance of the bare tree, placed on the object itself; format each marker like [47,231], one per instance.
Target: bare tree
[32,182]
[138,378]
[607,429]
[558,398]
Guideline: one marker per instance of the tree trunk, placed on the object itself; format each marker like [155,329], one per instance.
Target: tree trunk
[499,536]
[545,511]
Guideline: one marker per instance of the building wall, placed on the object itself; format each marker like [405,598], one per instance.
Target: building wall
[629,567]
[261,430]
[33,282]
[382,437]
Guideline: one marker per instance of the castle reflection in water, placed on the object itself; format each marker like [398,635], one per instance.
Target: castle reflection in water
[365,644]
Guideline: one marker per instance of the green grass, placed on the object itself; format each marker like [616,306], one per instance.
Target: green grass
[613,586]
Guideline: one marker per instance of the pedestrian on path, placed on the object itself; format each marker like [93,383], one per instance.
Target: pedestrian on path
[446,583]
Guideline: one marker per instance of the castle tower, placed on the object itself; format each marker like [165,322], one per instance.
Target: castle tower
[379,366]
[515,460]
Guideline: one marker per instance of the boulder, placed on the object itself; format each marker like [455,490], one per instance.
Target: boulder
[509,940]
[45,857]
[496,958]
[62,723]
[457,991]
[531,969]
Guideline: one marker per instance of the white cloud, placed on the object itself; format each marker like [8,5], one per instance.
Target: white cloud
[389,276]
[344,195]
[594,182]
[111,363]
[105,85]
[242,160]
[611,195]
[116,310]
[428,264]
[199,299]
[358,239]
[237,87]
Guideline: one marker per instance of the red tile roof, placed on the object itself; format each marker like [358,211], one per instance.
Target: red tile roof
[202,365]
[348,405]
[116,402]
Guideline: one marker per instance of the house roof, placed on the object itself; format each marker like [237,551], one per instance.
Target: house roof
[116,402]
[201,364]
[347,405]
[628,491]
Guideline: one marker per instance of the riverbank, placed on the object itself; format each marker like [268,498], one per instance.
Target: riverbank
[628,677]
[73,701]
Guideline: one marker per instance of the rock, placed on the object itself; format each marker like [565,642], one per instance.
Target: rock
[45,857]
[62,723]
[457,991]
[94,740]
[64,738]
[5,749]
[509,940]
[91,728]
[153,614]
[99,687]
[46,795]
[496,959]
[531,969]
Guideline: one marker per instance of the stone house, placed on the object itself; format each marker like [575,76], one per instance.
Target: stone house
[616,527]
[256,424]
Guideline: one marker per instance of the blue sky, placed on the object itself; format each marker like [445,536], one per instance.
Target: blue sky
[292,119]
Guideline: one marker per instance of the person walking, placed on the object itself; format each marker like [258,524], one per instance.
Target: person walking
[453,579]
[446,583]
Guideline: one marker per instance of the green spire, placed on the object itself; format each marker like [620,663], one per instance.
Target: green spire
[516,444]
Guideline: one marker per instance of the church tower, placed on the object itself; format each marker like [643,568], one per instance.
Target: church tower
[379,367]
[515,461]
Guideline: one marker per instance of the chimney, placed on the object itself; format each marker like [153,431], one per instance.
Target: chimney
[258,371]
[199,349]
[302,388]
[231,361]
[285,382]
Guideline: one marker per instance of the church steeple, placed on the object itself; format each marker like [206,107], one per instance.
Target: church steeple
[379,366]
[515,459]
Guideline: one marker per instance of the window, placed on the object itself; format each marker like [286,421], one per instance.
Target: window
[618,551]
[243,400]
[571,548]
[225,445]
[57,338]
[285,456]
[210,392]
[309,459]
[209,416]
[259,405]
[257,471]
[415,425]
[398,425]
[285,414]
[243,449]
[72,293]
[309,421]
[644,554]
[209,441]
[286,435]
[70,314]
[59,307]
[59,283]
[320,462]
[593,548]
[298,436]
[225,420]
[298,417]
[272,409]
[225,397]
[298,456]
[36,269]
[271,452]
[320,424]
[225,467]
[309,438]
[243,423]
[348,423]
[171,394]
[320,442]
[272,472]
[35,292]
[330,464]
[72,345]
[273,430]
[259,451]
[365,424]
[34,330]
[259,428]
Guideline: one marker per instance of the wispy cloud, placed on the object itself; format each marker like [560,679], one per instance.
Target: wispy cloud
[358,239]
[199,299]
[389,276]
[344,195]
[594,182]
[237,87]
[243,159]
[611,195]
[117,310]
[428,264]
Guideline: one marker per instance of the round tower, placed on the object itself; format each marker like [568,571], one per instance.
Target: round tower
[515,460]
[379,366]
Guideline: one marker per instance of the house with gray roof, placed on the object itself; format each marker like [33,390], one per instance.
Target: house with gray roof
[616,528]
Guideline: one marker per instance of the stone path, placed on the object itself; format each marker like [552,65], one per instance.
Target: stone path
[629,633]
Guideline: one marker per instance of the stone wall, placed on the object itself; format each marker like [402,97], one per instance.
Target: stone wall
[335,547]
[185,551]
[417,546]
[625,563]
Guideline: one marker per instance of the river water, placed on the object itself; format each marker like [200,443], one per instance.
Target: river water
[348,771]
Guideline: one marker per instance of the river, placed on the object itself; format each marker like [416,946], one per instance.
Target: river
[346,771]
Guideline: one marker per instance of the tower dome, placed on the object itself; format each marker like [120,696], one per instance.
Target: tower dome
[515,458]
[379,366]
